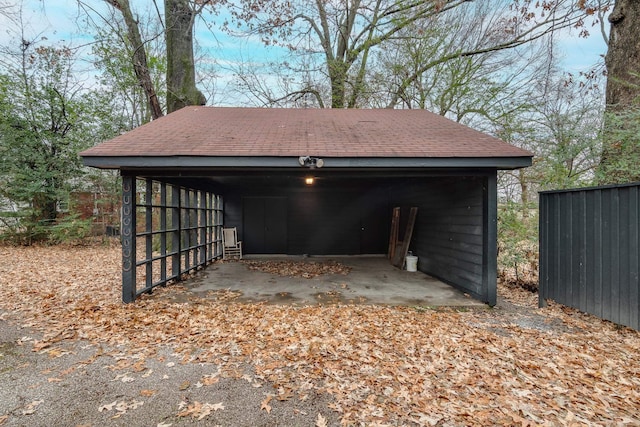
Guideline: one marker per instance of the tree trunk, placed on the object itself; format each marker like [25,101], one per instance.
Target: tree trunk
[181,76]
[618,162]
[338,78]
[139,58]
[623,55]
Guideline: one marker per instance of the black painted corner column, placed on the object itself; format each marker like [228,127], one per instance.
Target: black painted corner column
[128,239]
[490,240]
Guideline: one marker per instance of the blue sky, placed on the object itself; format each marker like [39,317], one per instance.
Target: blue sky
[56,21]
[579,54]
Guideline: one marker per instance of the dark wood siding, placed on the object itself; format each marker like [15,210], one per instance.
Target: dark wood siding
[326,219]
[448,236]
[324,223]
[265,225]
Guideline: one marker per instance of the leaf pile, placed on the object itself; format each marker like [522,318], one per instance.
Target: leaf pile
[304,269]
[382,365]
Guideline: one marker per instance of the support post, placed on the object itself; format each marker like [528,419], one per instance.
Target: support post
[176,225]
[202,226]
[128,239]
[148,209]
[490,239]
[163,235]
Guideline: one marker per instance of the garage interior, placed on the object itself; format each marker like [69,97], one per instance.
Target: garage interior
[346,213]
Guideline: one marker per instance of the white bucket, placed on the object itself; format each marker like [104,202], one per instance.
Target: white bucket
[412,263]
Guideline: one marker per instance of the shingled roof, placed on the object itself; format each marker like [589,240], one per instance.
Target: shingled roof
[210,136]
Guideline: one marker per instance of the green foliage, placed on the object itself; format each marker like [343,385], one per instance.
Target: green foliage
[621,156]
[118,78]
[46,118]
[17,229]
[518,245]
[70,228]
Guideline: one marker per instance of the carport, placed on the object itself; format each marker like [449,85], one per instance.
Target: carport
[306,182]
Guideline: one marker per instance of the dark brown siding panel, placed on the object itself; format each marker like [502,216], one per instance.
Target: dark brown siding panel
[448,238]
[324,223]
[325,219]
[233,212]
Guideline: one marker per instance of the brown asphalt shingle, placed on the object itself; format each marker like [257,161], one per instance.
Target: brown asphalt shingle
[210,131]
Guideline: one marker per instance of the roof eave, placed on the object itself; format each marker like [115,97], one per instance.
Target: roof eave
[132,162]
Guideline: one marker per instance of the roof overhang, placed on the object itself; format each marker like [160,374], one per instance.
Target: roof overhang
[211,164]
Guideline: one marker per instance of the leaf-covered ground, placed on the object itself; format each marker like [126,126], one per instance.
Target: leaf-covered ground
[511,365]
[306,270]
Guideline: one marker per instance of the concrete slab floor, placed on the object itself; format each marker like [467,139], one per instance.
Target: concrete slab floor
[371,280]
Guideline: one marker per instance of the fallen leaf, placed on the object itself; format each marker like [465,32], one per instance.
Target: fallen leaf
[284,394]
[40,345]
[139,366]
[124,378]
[3,419]
[199,410]
[120,407]
[135,404]
[217,406]
[56,352]
[304,269]
[148,393]
[31,407]
[321,421]
[265,403]
[209,380]
[67,371]
[108,406]
[185,385]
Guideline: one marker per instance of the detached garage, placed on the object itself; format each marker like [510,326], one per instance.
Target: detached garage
[306,181]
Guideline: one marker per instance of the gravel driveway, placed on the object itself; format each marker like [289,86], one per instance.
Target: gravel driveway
[96,385]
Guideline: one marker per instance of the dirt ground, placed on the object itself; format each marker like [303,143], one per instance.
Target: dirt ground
[71,354]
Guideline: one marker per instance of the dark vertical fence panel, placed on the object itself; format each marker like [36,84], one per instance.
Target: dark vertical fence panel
[589,256]
[634,256]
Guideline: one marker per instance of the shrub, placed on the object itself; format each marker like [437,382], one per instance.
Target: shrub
[518,257]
